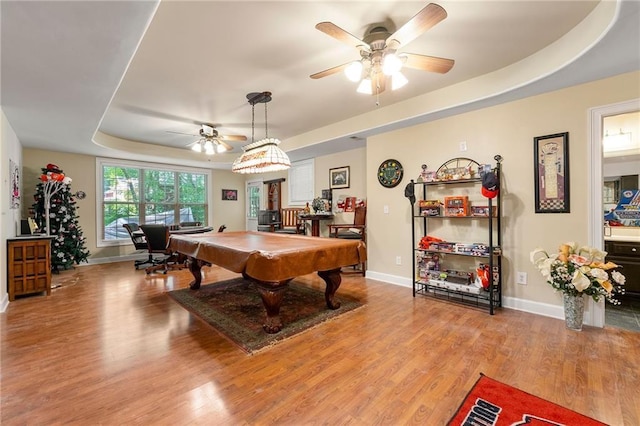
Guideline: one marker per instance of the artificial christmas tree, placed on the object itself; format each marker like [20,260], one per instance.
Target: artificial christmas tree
[55,213]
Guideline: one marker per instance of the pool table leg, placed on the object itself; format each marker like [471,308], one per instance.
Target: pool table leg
[333,280]
[195,267]
[272,299]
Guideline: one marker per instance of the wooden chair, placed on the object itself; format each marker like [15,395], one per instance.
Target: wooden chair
[157,240]
[291,223]
[355,231]
[139,242]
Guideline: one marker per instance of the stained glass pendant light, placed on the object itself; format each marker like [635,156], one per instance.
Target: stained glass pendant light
[264,155]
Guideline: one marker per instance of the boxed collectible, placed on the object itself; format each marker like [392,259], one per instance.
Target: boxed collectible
[429,207]
[459,277]
[483,211]
[456,206]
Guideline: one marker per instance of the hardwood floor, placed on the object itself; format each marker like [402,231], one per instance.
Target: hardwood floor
[109,347]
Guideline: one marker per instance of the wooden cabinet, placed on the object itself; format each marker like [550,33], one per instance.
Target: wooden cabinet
[627,255]
[28,266]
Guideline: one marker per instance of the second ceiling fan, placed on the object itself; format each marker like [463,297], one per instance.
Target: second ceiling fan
[378,52]
[212,142]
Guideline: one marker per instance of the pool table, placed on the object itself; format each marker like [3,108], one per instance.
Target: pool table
[271,261]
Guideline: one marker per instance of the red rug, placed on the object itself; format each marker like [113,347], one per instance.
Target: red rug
[491,403]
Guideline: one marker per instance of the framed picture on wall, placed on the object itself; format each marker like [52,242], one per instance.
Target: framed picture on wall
[230,194]
[551,169]
[339,177]
[14,202]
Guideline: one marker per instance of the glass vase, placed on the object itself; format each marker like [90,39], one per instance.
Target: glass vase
[573,311]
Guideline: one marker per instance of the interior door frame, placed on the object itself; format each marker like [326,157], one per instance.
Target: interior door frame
[251,223]
[594,314]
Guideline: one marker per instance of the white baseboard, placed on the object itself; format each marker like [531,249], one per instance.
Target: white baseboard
[4,304]
[537,308]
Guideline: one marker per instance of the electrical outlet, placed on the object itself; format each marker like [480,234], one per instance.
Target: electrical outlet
[385,209]
[398,260]
[521,278]
[463,146]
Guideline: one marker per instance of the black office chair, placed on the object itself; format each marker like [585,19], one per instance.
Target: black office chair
[139,242]
[157,240]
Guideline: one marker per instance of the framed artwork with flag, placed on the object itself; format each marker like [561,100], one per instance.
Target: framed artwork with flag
[551,169]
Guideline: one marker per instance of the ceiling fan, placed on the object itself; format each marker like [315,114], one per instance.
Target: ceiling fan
[211,141]
[378,52]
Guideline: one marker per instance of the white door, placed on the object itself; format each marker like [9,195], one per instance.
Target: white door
[254,201]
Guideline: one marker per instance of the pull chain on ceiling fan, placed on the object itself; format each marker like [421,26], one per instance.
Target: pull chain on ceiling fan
[378,52]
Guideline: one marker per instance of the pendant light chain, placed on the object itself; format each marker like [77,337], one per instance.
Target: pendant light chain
[266,129]
[253,121]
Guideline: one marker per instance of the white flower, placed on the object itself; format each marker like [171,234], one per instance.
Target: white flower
[545,267]
[618,277]
[538,255]
[580,281]
[599,274]
[592,253]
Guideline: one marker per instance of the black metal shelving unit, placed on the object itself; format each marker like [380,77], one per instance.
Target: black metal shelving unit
[487,299]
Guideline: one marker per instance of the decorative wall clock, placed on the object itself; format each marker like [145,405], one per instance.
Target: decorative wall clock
[390,173]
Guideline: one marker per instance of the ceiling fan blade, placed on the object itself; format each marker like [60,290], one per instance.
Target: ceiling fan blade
[332,30]
[428,63]
[239,138]
[421,22]
[226,146]
[329,71]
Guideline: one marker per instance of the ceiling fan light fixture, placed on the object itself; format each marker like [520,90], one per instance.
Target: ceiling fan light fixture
[354,71]
[209,147]
[220,148]
[197,147]
[365,86]
[391,64]
[398,80]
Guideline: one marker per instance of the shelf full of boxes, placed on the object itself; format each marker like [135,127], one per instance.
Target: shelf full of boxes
[450,212]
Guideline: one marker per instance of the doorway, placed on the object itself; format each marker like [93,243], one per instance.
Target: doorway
[254,201]
[603,120]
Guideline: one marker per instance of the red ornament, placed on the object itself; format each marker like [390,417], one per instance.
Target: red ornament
[58,177]
[53,168]
[44,178]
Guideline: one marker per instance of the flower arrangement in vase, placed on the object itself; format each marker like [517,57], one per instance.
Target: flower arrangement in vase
[576,271]
[318,205]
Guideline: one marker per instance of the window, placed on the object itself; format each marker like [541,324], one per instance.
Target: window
[301,184]
[147,193]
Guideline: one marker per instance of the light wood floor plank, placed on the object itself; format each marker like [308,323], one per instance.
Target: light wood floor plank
[110,347]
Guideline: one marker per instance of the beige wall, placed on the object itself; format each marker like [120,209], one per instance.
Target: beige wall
[507,130]
[356,160]
[229,213]
[10,150]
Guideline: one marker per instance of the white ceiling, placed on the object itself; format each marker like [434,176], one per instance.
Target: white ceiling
[116,78]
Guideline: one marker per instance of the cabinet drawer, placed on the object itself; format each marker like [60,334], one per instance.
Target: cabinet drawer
[630,249]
